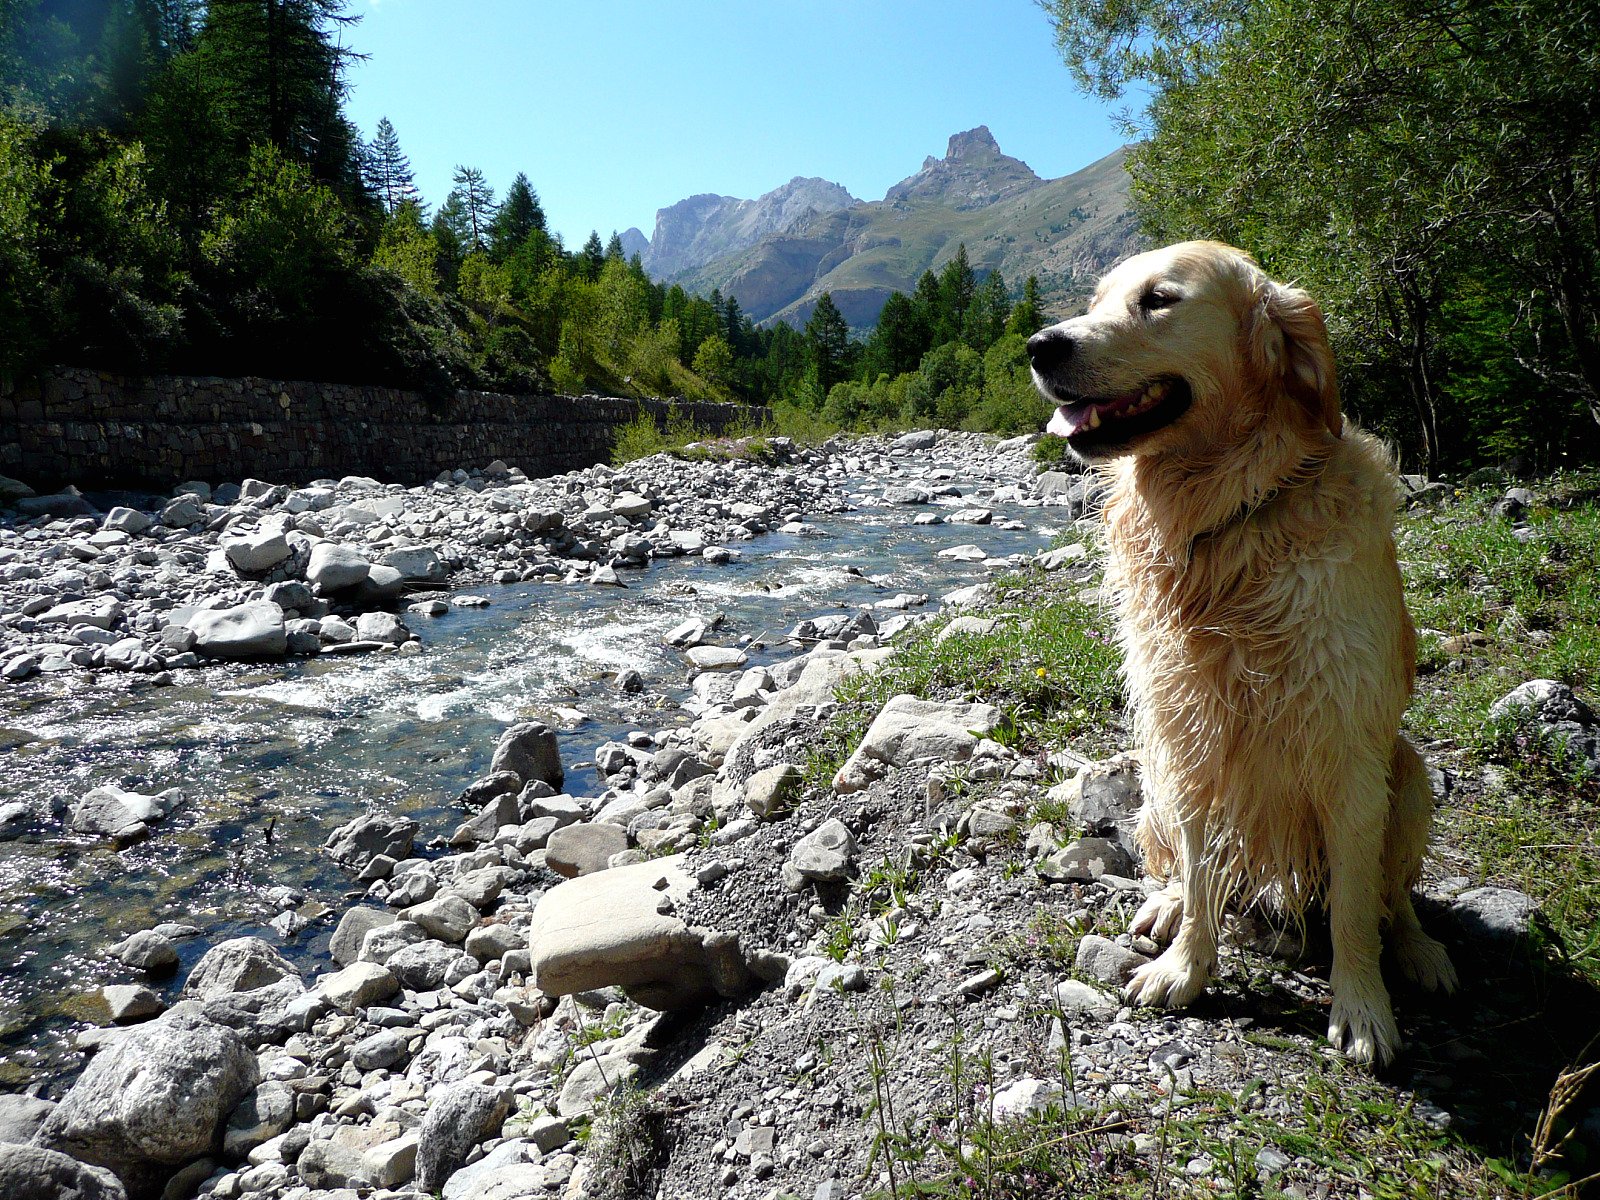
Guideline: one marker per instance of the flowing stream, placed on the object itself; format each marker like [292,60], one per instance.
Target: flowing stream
[272,758]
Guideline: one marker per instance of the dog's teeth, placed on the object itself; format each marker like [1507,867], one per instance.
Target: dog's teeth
[1093,421]
[1155,391]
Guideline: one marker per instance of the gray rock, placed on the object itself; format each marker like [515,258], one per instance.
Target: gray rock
[824,855]
[423,966]
[256,553]
[908,730]
[530,751]
[716,658]
[237,965]
[609,929]
[1494,914]
[382,627]
[489,942]
[259,1117]
[416,563]
[917,439]
[446,917]
[334,567]
[145,950]
[770,792]
[1085,860]
[359,985]
[385,1049]
[130,1002]
[1075,996]
[181,512]
[382,943]
[154,1099]
[245,631]
[1102,959]
[112,812]
[345,946]
[127,520]
[1549,701]
[582,849]
[354,844]
[34,1173]
[460,1115]
[21,1116]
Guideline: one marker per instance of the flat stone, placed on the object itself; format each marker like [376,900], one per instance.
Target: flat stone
[359,985]
[254,630]
[334,567]
[583,849]
[824,855]
[345,946]
[1102,959]
[908,730]
[130,1002]
[446,917]
[607,929]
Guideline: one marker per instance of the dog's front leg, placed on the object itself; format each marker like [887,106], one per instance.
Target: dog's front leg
[1362,1021]
[1180,974]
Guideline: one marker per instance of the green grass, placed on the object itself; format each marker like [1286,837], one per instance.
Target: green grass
[1524,815]
[1052,672]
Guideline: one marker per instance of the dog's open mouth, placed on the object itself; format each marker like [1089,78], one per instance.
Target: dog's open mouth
[1087,421]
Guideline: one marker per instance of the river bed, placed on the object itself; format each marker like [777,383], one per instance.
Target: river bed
[272,758]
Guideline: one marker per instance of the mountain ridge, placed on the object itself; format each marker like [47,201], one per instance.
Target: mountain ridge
[1064,231]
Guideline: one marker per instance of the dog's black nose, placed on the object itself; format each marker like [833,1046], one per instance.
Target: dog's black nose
[1049,348]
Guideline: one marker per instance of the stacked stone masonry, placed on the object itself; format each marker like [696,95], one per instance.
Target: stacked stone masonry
[96,429]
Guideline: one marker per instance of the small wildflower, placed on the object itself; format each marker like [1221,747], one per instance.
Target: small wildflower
[1042,673]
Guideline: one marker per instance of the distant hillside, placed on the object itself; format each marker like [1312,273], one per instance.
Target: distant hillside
[1065,231]
[702,228]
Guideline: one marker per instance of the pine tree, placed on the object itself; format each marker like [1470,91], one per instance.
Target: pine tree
[476,207]
[592,257]
[1027,315]
[519,216]
[388,170]
[614,248]
[985,318]
[827,343]
[956,287]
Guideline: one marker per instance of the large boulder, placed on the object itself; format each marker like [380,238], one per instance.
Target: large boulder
[254,630]
[416,563]
[237,965]
[113,812]
[620,928]
[34,1173]
[529,749]
[256,553]
[460,1115]
[583,849]
[907,730]
[334,567]
[357,842]
[154,1099]
[21,1116]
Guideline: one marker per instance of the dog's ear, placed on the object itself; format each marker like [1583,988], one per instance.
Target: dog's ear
[1289,343]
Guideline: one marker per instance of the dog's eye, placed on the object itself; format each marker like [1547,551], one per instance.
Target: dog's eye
[1158,298]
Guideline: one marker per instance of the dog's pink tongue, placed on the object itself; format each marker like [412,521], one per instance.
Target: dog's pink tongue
[1061,424]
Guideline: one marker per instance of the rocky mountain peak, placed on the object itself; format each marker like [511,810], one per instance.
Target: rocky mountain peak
[700,228]
[973,173]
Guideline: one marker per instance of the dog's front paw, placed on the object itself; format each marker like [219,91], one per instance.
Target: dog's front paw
[1171,981]
[1365,1031]
[1426,963]
[1161,914]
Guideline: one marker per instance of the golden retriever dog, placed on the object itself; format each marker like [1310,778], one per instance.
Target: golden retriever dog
[1268,651]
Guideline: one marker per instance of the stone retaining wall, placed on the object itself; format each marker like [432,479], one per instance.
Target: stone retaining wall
[95,429]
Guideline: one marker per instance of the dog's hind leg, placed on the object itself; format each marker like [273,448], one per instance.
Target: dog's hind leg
[1180,974]
[1362,1021]
[1422,960]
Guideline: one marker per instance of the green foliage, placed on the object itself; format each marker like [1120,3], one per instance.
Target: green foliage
[1427,173]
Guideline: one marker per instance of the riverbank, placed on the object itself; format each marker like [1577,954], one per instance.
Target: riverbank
[849,924]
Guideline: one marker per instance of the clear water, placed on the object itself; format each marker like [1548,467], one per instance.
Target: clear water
[308,745]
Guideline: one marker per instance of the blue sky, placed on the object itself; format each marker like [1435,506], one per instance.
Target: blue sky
[615,109]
